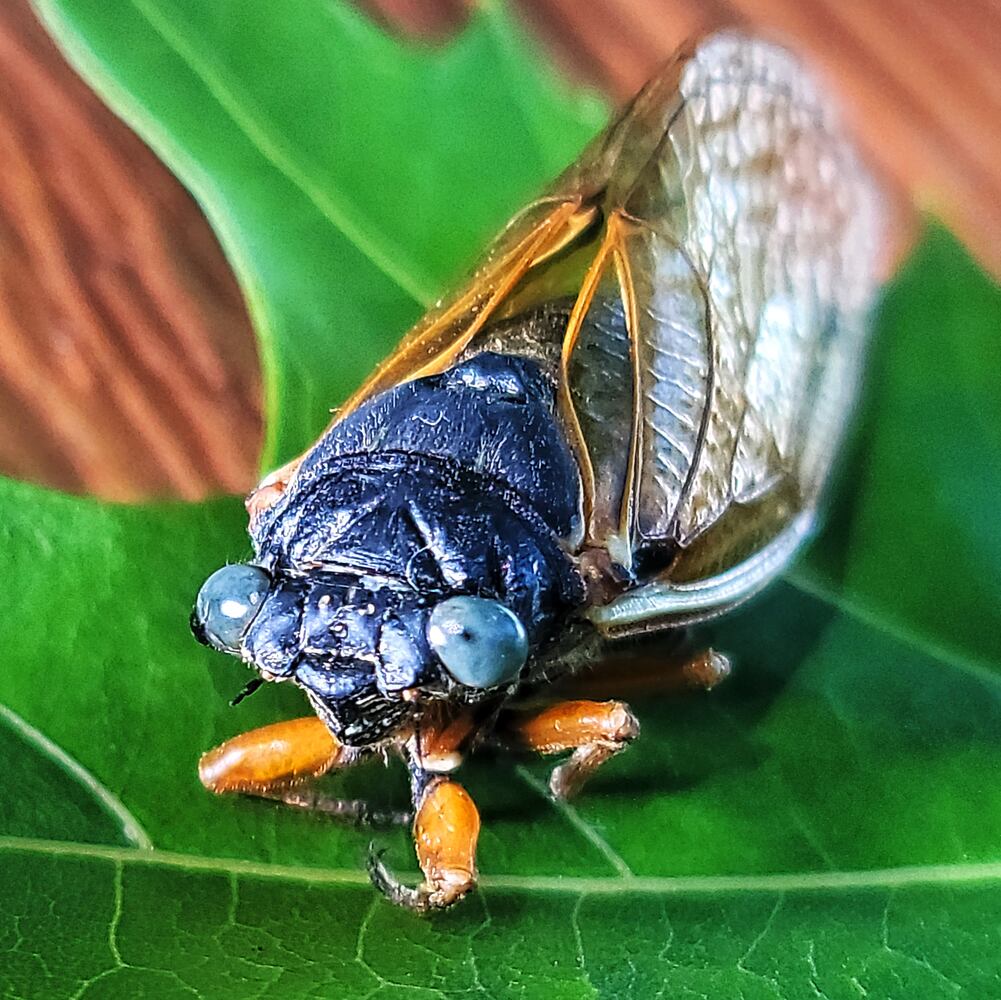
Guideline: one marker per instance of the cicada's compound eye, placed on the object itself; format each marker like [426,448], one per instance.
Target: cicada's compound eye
[480,642]
[226,605]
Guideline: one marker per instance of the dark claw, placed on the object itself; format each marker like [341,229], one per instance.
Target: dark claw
[415,900]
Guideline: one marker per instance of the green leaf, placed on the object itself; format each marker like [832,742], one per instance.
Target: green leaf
[45,793]
[914,540]
[165,930]
[812,817]
[826,824]
[344,172]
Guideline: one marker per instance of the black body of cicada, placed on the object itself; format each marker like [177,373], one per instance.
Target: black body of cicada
[455,484]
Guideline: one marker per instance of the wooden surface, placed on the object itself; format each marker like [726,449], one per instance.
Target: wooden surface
[129,367]
[127,357]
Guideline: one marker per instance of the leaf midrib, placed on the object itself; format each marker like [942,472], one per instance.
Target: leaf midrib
[874,878]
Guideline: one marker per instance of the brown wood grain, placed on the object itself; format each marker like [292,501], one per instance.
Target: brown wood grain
[129,368]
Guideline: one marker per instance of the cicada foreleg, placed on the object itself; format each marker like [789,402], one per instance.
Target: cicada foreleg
[446,830]
[446,822]
[280,762]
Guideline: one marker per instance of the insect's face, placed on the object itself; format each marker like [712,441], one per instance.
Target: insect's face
[366,653]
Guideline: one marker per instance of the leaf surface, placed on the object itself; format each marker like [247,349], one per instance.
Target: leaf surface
[826,824]
[45,793]
[160,929]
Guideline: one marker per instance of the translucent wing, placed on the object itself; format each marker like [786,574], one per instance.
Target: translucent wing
[544,253]
[706,269]
[757,188]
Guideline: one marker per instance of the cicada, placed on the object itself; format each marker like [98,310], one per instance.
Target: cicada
[622,423]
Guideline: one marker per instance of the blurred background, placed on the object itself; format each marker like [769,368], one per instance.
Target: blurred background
[128,366]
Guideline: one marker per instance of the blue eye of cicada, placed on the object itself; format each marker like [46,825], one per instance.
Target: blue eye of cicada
[480,642]
[227,603]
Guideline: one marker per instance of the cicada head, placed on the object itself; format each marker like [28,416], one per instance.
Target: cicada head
[328,632]
[366,653]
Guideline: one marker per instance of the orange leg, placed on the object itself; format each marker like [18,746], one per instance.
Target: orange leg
[441,739]
[446,828]
[706,669]
[657,672]
[279,762]
[446,822]
[593,730]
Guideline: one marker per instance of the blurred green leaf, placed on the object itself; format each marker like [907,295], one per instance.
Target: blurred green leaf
[824,825]
[349,177]
[44,793]
[913,540]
